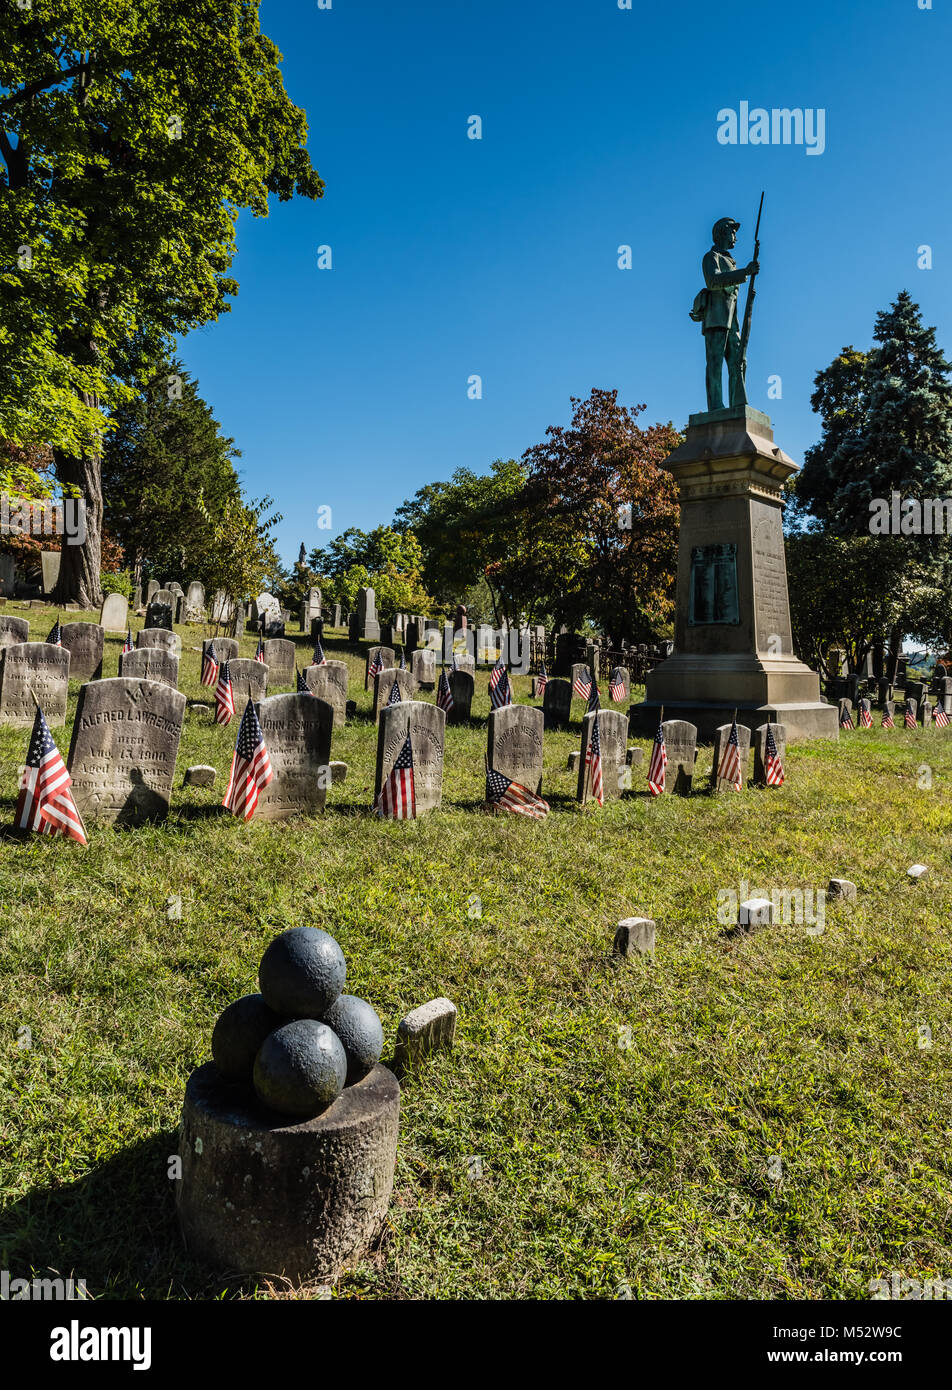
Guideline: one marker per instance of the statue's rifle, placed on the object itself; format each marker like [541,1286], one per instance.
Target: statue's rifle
[751,295]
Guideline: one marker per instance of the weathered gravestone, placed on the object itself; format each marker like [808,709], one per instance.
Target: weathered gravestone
[50,565]
[162,637]
[329,682]
[423,668]
[223,607]
[680,741]
[914,691]
[152,589]
[427,728]
[557,704]
[619,681]
[28,669]
[13,631]
[364,626]
[721,735]
[383,684]
[84,642]
[336,616]
[613,743]
[249,681]
[150,664]
[462,687]
[297,734]
[581,671]
[114,614]
[222,649]
[279,658]
[159,614]
[264,605]
[514,744]
[386,655]
[122,753]
[195,602]
[310,608]
[760,750]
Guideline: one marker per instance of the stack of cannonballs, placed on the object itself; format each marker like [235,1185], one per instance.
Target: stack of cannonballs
[301,1040]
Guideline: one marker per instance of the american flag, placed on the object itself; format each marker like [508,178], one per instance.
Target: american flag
[250,767]
[55,638]
[593,764]
[444,695]
[500,691]
[940,716]
[259,654]
[658,764]
[582,686]
[888,722]
[45,804]
[376,665]
[302,686]
[397,799]
[209,666]
[865,714]
[318,659]
[616,686]
[224,696]
[729,766]
[594,699]
[773,765]
[542,680]
[512,796]
[394,697]
[846,719]
[127,644]
[910,720]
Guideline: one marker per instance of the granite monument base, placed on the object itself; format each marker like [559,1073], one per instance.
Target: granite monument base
[809,719]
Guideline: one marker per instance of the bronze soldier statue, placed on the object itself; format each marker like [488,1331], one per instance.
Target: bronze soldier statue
[716,308]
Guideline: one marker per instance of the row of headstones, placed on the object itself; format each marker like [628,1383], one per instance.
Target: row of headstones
[187,605]
[853,688]
[920,709]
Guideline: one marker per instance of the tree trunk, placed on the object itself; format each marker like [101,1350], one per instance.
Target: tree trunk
[79,576]
[895,651]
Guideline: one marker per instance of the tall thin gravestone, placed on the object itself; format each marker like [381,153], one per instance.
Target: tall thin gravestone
[426,725]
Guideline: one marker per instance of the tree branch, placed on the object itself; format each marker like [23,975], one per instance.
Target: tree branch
[41,84]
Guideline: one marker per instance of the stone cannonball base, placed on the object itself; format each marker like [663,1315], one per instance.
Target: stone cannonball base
[262,1196]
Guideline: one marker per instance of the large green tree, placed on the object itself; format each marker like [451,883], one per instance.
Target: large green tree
[131,136]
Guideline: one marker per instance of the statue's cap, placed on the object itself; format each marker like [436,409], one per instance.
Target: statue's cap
[724,224]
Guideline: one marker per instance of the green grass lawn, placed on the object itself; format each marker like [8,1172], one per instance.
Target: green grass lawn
[755,1115]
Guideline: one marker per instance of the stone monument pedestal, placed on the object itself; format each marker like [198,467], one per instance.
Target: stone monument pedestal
[733,645]
[261,1194]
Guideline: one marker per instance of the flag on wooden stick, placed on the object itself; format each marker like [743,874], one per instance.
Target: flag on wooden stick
[45,803]
[729,767]
[224,696]
[659,762]
[512,796]
[250,767]
[397,799]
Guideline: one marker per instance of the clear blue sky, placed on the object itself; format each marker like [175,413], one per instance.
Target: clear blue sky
[348,387]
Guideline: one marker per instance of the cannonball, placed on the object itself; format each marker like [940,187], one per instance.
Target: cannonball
[300,1068]
[302,972]
[239,1033]
[356,1024]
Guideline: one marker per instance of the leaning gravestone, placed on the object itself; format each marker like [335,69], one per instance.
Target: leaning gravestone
[514,744]
[279,658]
[159,614]
[557,704]
[13,631]
[613,743]
[122,753]
[297,734]
[221,648]
[162,637]
[84,642]
[760,750]
[462,687]
[721,735]
[114,614]
[329,682]
[427,727]
[150,664]
[386,655]
[28,669]
[423,668]
[383,684]
[249,681]
[680,741]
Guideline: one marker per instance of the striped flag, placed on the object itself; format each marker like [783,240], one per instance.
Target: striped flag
[773,765]
[302,686]
[593,763]
[594,700]
[318,659]
[444,695]
[209,666]
[45,803]
[865,714]
[250,766]
[397,799]
[394,698]
[582,685]
[512,796]
[846,719]
[888,722]
[910,719]
[500,691]
[55,638]
[376,665]
[616,686]
[940,716]
[658,764]
[127,645]
[259,654]
[542,680]
[224,696]
[729,767]
[496,674]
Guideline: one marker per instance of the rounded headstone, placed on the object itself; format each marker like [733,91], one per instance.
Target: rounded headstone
[302,972]
[301,1068]
[238,1035]
[360,1031]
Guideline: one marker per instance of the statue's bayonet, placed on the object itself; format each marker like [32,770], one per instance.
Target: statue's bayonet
[751,294]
